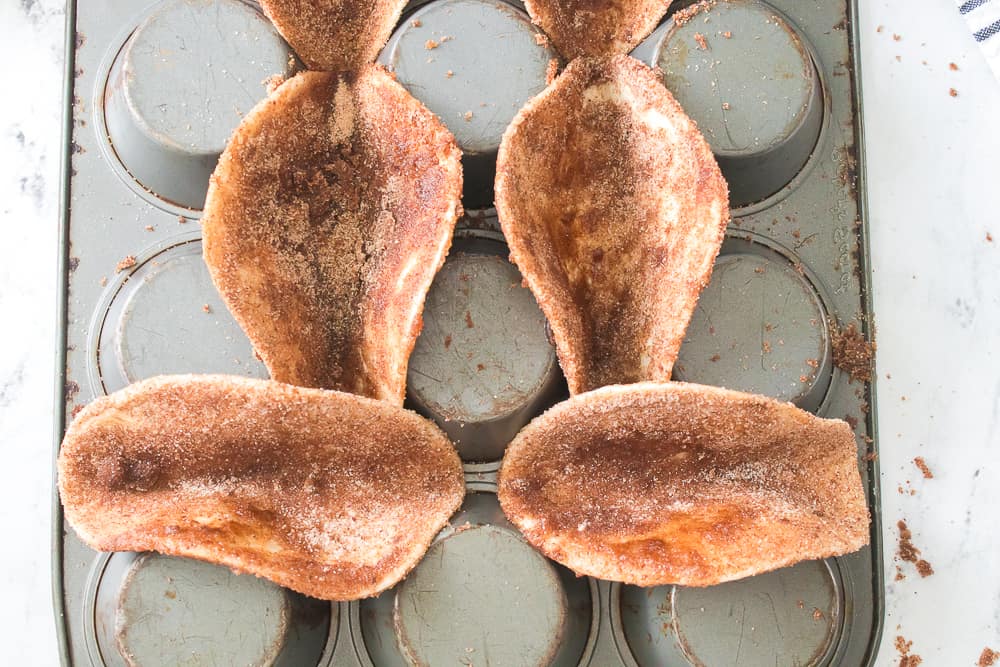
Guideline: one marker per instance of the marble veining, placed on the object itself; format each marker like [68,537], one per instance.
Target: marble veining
[933,164]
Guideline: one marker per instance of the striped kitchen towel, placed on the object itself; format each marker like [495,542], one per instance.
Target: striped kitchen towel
[983,17]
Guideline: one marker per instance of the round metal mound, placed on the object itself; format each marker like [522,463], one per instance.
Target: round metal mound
[180,85]
[746,75]
[761,326]
[163,316]
[791,616]
[483,366]
[480,585]
[150,609]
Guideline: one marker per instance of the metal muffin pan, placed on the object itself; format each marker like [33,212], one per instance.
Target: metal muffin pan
[151,97]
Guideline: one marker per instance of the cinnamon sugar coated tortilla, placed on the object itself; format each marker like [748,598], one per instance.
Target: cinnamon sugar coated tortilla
[328,216]
[335,35]
[596,27]
[654,484]
[329,494]
[614,210]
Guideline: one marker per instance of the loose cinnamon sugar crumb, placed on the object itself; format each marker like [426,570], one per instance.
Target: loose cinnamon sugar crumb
[879,29]
[851,352]
[766,346]
[467,116]
[725,106]
[988,657]
[447,341]
[714,358]
[181,219]
[989,237]
[953,67]
[449,74]
[953,92]
[906,659]
[149,228]
[896,37]
[812,363]
[480,367]
[909,553]
[685,15]
[127,263]
[700,38]
[541,39]
[817,614]
[920,463]
[728,34]
[870,456]
[272,83]
[800,604]
[206,308]
[104,281]
[76,410]
[468,320]
[430,44]
[416,23]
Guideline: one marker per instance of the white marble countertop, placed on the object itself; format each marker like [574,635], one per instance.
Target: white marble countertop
[934,173]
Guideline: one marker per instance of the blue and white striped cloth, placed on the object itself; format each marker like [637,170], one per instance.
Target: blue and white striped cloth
[983,17]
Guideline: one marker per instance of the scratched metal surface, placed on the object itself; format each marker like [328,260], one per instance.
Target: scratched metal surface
[794,258]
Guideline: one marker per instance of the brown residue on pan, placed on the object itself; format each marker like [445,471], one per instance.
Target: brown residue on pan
[126,263]
[851,352]
[688,13]
[988,658]
[906,659]
[911,554]
[468,320]
[924,469]
[700,38]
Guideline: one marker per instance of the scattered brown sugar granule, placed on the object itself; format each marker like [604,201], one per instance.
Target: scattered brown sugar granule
[685,15]
[800,604]
[880,28]
[206,308]
[899,574]
[908,552]
[104,281]
[870,456]
[430,44]
[468,320]
[149,228]
[953,92]
[766,347]
[480,367]
[447,341]
[728,34]
[714,358]
[272,83]
[953,67]
[725,106]
[817,614]
[812,363]
[851,352]
[416,23]
[988,658]
[920,463]
[896,37]
[449,74]
[181,219]
[127,263]
[467,116]
[700,38]
[906,659]
[989,237]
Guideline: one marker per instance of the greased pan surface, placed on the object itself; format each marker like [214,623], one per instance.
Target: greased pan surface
[153,90]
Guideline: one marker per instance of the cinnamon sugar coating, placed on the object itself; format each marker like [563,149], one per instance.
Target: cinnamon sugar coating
[329,494]
[327,218]
[654,484]
[614,209]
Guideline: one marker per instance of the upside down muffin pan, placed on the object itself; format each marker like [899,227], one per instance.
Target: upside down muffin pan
[153,92]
